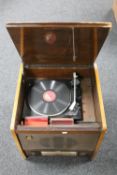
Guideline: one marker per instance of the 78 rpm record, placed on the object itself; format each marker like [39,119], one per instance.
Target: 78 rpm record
[49,97]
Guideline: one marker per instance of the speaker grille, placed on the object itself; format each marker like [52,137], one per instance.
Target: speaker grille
[58,142]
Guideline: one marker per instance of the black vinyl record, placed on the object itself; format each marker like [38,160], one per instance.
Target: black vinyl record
[49,97]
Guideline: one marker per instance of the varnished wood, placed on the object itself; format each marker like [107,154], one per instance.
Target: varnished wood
[99,103]
[39,153]
[17,102]
[71,142]
[69,24]
[55,61]
[37,51]
[95,44]
[63,72]
[101,137]
[79,128]
[87,101]
[102,118]
[16,111]
[22,42]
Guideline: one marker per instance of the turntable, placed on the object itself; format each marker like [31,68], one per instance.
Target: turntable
[54,99]
[49,98]
[58,108]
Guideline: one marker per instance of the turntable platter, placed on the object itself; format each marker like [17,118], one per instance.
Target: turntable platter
[49,97]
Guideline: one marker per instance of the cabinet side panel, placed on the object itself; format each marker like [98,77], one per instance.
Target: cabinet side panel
[17,110]
[101,137]
[98,101]
[99,108]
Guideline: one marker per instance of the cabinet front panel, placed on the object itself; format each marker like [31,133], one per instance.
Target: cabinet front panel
[58,141]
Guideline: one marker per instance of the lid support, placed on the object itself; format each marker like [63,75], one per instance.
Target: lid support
[74,51]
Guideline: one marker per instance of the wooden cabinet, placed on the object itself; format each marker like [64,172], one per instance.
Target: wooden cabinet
[53,51]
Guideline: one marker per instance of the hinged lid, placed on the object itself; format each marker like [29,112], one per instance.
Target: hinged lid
[59,43]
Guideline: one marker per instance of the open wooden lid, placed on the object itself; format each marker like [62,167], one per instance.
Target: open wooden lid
[58,43]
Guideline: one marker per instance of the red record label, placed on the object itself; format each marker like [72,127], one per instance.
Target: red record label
[49,96]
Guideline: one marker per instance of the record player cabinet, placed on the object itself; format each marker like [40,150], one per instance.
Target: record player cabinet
[54,51]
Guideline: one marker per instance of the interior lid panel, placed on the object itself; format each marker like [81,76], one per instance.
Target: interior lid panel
[69,44]
[47,45]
